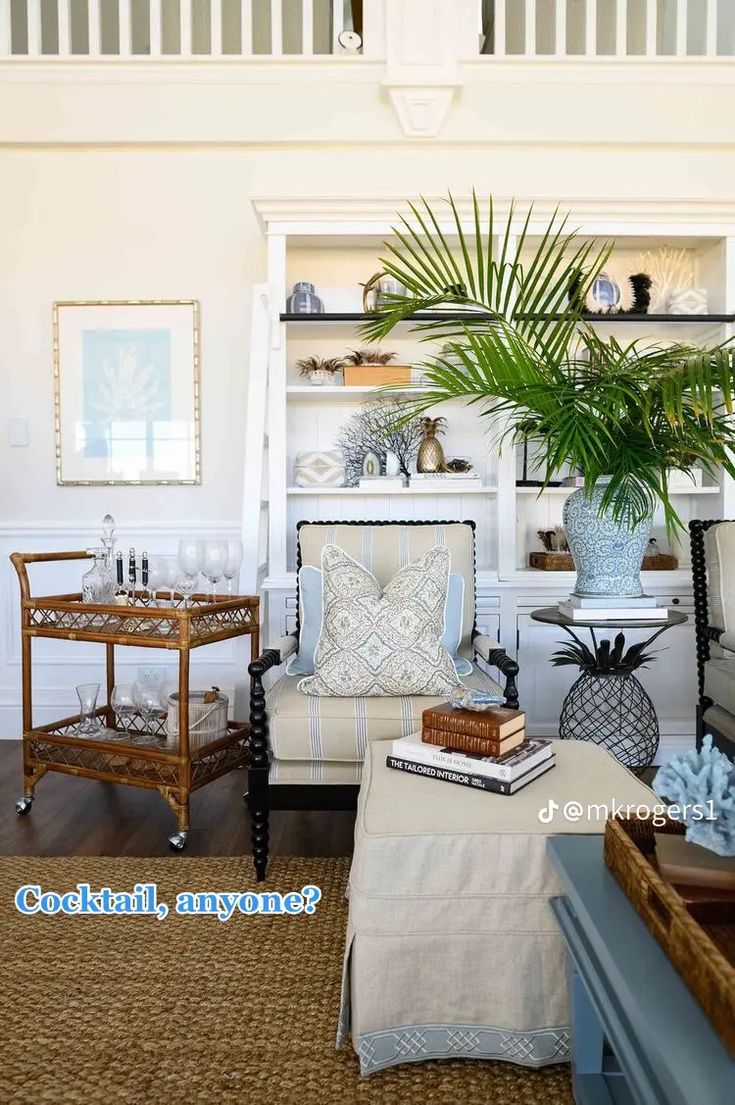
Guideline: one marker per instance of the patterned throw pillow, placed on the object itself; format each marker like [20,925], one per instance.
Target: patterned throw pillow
[376,642]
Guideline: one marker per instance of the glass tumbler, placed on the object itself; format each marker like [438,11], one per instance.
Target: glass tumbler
[89,724]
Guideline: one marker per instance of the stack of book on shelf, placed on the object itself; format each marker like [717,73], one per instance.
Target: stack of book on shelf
[446,481]
[486,750]
[382,483]
[643,608]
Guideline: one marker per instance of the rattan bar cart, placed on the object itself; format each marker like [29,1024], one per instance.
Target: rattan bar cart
[173,771]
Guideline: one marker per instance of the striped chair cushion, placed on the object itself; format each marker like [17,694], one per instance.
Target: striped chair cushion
[338,729]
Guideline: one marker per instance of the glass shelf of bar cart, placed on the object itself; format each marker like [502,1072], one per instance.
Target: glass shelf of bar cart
[116,753]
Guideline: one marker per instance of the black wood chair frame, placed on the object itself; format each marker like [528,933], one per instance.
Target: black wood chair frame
[263,797]
[705,633]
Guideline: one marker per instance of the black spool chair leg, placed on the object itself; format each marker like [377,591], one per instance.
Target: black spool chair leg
[257,796]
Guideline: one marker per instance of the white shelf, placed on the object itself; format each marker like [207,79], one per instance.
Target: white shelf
[350,491]
[340,393]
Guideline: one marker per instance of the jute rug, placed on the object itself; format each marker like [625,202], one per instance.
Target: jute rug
[192,1010]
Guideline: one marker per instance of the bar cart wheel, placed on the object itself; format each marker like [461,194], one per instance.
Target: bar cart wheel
[23,805]
[177,842]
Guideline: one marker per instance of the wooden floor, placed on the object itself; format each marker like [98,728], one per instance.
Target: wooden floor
[81,817]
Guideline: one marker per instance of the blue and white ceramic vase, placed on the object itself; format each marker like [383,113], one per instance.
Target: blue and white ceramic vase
[304,300]
[608,554]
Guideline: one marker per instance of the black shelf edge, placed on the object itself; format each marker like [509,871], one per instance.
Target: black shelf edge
[474,316]
[351,316]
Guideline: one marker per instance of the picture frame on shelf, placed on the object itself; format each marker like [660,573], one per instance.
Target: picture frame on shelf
[127,392]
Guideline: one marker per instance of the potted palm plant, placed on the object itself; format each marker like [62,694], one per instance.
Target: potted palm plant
[524,353]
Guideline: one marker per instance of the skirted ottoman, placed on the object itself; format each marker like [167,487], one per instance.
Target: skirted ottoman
[452,948]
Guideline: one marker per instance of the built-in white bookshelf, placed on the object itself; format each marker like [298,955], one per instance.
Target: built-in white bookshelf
[338,251]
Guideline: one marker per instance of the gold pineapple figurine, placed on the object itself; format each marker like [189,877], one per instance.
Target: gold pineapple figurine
[431,454]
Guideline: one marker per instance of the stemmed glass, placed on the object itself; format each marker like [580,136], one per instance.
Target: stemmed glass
[215,562]
[157,576]
[191,557]
[123,704]
[233,563]
[149,699]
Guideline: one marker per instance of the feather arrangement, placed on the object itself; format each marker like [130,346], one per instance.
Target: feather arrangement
[368,357]
[704,780]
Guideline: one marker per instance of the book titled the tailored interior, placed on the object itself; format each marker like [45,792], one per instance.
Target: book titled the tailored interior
[467,779]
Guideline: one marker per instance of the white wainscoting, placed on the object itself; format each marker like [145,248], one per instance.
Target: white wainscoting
[60,665]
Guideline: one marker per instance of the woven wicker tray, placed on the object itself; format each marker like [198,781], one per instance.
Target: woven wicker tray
[562,562]
[697,932]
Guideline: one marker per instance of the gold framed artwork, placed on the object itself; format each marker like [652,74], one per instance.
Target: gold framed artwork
[127,392]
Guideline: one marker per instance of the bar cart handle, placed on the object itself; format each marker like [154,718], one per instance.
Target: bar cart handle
[19,561]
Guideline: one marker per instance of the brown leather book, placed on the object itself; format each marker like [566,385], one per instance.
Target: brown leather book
[478,746]
[491,725]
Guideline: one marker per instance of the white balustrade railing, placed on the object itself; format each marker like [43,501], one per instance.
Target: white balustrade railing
[607,29]
[162,29]
[517,29]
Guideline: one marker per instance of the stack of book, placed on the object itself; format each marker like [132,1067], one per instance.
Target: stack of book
[446,481]
[579,608]
[382,483]
[486,750]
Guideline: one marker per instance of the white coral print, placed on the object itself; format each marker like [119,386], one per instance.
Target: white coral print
[126,389]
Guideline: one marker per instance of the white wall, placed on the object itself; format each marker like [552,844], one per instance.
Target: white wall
[133,215]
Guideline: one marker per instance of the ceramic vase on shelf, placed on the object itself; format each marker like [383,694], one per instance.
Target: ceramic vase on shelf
[604,294]
[608,554]
[304,300]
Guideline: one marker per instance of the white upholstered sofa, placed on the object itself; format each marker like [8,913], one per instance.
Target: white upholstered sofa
[307,752]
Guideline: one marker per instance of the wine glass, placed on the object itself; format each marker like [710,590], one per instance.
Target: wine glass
[123,704]
[191,557]
[232,564]
[157,576]
[172,574]
[186,585]
[148,697]
[215,561]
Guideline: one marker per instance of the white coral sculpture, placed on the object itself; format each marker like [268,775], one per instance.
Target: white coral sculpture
[669,269]
[704,780]
[127,390]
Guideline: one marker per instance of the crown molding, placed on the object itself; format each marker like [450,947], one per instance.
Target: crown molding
[603,214]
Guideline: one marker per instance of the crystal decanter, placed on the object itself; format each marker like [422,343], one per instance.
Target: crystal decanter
[98,584]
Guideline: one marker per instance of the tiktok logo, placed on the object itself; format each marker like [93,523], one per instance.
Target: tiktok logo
[546,813]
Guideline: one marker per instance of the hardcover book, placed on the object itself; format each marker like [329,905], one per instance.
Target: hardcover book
[467,779]
[507,767]
[462,742]
[495,724]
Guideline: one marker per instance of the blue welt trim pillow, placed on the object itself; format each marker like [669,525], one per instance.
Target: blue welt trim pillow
[310,601]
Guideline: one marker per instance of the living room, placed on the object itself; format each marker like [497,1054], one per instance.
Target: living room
[328,324]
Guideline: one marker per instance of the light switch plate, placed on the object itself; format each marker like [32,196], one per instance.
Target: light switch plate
[19,435]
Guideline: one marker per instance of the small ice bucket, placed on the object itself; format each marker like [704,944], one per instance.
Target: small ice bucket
[207,719]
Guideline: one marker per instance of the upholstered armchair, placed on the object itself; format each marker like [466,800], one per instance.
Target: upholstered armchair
[713,571]
[307,752]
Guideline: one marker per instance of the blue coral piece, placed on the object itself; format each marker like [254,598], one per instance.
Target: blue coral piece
[705,782]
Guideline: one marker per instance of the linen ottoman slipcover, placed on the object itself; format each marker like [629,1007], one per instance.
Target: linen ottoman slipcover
[452,948]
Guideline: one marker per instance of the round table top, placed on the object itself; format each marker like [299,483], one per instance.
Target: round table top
[551,616]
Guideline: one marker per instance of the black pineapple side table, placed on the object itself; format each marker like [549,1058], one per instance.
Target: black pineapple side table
[614,709]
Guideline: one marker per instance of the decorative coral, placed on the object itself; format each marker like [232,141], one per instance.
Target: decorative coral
[377,427]
[702,785]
